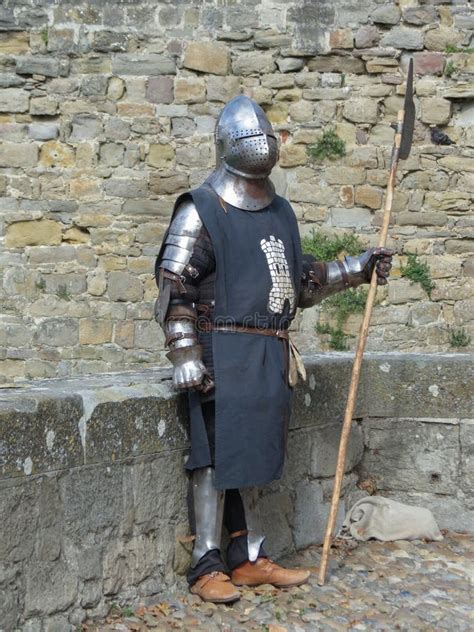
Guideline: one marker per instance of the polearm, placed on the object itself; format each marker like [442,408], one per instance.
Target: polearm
[400,151]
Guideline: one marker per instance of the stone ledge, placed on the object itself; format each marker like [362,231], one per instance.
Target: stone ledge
[62,423]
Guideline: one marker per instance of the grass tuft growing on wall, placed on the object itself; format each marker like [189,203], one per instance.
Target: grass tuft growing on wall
[418,272]
[329,146]
[459,338]
[340,306]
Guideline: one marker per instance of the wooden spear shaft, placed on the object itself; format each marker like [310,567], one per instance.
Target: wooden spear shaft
[363,333]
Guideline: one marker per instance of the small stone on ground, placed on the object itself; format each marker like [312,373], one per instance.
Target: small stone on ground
[412,586]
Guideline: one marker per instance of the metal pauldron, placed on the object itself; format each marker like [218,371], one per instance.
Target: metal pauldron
[208,505]
[181,238]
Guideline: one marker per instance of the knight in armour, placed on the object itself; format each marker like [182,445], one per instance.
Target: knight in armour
[231,275]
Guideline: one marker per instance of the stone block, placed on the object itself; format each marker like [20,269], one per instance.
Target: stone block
[37,65]
[301,111]
[457,163]
[271,39]
[12,43]
[109,42]
[439,39]
[293,155]
[435,110]
[341,38]
[386,14]
[122,286]
[45,232]
[380,65]
[43,106]
[117,129]
[326,94]
[253,63]
[111,154]
[43,131]
[208,57]
[311,513]
[71,283]
[448,201]
[85,127]
[194,156]
[278,517]
[94,331]
[94,85]
[403,290]
[350,218]
[13,100]
[160,156]
[166,184]
[368,196]
[412,454]
[336,63]
[96,282]
[143,64]
[21,155]
[404,38]
[54,153]
[325,444]
[189,90]
[361,110]
[419,16]
[160,89]
[428,64]
[367,36]
[290,64]
[222,89]
[126,187]
[344,175]
[58,332]
[115,88]
[85,189]
[423,218]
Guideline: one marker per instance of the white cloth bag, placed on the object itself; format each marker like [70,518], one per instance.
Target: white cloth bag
[386,520]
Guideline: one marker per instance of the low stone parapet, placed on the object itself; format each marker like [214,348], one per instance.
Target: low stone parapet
[93,490]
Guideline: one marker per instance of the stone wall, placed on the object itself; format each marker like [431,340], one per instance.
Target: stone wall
[107,111]
[93,490]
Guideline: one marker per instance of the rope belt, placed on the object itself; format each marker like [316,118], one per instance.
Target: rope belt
[261,331]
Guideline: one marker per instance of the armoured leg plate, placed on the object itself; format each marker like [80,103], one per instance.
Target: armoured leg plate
[255,535]
[208,511]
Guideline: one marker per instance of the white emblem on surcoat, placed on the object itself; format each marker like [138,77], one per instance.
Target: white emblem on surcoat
[282,286]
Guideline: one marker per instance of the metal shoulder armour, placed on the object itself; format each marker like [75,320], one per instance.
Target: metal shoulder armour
[181,238]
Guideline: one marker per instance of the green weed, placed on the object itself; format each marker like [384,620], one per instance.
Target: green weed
[325,248]
[459,338]
[63,293]
[329,146]
[418,272]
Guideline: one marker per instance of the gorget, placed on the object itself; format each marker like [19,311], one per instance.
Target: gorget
[244,193]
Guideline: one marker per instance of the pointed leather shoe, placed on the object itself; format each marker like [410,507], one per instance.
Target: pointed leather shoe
[264,571]
[215,587]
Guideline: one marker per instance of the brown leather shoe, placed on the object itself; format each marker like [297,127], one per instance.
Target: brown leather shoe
[215,587]
[264,571]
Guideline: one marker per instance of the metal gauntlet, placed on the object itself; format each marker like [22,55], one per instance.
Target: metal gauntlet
[320,280]
[185,351]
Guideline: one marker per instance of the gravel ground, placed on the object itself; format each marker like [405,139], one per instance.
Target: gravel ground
[373,586]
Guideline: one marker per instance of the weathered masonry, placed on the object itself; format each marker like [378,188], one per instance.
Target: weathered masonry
[93,491]
[107,111]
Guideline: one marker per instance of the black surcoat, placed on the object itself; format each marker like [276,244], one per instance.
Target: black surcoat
[256,284]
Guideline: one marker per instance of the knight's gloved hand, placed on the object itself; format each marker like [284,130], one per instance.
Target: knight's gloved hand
[359,269]
[189,370]
[381,259]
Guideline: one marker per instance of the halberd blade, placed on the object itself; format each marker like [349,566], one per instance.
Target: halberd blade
[409,116]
